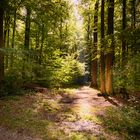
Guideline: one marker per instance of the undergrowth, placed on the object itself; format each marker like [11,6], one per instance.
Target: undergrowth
[124,121]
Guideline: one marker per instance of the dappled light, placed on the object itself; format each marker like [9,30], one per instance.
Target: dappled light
[48,110]
[69,70]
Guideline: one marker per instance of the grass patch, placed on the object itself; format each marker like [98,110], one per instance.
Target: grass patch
[66,91]
[124,121]
[81,136]
[24,113]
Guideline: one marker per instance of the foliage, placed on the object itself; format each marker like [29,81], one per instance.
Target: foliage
[128,76]
[124,120]
[69,72]
[10,87]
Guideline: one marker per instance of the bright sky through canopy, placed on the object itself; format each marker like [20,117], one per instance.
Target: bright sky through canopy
[77,15]
[75,1]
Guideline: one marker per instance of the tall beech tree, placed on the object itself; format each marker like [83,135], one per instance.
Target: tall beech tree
[95,41]
[42,44]
[88,15]
[133,13]
[13,35]
[110,54]
[88,44]
[27,27]
[123,29]
[2,5]
[102,57]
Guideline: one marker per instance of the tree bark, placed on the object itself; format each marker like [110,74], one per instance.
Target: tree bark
[8,41]
[102,57]
[13,37]
[1,47]
[123,29]
[42,44]
[133,13]
[95,41]
[27,28]
[88,52]
[133,25]
[110,54]
[27,38]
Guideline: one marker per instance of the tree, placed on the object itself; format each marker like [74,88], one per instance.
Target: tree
[13,35]
[88,38]
[110,54]
[1,43]
[102,57]
[95,41]
[123,29]
[133,13]
[27,27]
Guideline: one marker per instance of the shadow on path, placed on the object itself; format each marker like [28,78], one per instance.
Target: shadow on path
[87,106]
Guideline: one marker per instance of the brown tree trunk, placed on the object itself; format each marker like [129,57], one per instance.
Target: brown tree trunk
[27,38]
[88,52]
[6,34]
[13,37]
[1,46]
[6,20]
[8,40]
[27,28]
[110,55]
[133,25]
[102,57]
[133,13]
[42,43]
[95,40]
[123,29]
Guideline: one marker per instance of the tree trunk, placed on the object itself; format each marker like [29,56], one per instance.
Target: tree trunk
[133,13]
[1,47]
[123,29]
[88,51]
[102,57]
[13,37]
[27,28]
[6,20]
[27,39]
[95,40]
[6,34]
[42,43]
[133,25]
[8,40]
[110,54]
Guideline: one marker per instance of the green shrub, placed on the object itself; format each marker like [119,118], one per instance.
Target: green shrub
[129,75]
[69,71]
[11,85]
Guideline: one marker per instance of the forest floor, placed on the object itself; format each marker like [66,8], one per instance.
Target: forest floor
[71,114]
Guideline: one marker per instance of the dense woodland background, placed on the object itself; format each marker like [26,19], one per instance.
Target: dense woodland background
[58,43]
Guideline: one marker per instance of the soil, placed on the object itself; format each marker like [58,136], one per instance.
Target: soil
[87,106]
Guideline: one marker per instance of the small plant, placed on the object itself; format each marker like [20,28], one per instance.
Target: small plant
[124,121]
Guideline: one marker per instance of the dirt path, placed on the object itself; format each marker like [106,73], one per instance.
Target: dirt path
[9,135]
[88,105]
[78,114]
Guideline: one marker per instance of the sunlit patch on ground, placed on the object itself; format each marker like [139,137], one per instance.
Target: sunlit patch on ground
[73,115]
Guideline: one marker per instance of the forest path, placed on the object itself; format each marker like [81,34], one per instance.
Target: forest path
[88,106]
[45,116]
